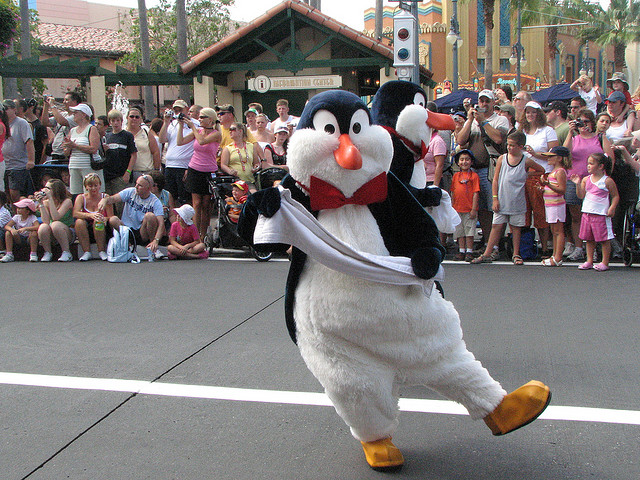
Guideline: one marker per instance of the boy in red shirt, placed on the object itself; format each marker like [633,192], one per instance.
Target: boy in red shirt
[465,192]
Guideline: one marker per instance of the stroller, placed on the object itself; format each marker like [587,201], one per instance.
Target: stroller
[225,232]
[631,235]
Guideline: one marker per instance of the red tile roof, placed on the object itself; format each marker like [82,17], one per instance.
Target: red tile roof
[300,7]
[73,39]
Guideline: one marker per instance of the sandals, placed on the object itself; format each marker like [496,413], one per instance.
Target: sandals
[586,266]
[601,267]
[481,259]
[551,262]
[517,260]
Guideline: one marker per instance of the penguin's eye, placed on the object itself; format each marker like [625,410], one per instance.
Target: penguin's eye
[419,100]
[325,121]
[359,122]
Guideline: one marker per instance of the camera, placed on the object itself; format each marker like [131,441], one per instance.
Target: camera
[181,116]
[32,102]
[579,123]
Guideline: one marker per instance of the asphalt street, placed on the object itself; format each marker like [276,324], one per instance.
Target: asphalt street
[184,370]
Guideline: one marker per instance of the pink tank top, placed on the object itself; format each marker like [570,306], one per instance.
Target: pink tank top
[580,150]
[204,156]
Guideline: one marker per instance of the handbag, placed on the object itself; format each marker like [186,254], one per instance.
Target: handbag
[97,161]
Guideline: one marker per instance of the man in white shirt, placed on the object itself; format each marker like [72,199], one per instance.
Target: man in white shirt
[484,133]
[177,157]
[289,121]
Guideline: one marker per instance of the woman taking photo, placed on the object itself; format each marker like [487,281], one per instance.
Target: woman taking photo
[540,138]
[81,144]
[148,152]
[582,141]
[57,218]
[202,163]
[90,220]
[240,159]
[275,154]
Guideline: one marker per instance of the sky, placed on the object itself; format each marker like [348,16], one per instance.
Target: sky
[349,12]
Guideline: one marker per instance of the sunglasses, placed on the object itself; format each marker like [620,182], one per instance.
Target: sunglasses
[134,116]
[232,129]
[222,113]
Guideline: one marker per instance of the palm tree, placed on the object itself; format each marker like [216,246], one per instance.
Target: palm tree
[549,12]
[146,56]
[489,10]
[617,26]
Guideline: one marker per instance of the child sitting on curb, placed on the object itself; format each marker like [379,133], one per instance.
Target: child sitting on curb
[184,239]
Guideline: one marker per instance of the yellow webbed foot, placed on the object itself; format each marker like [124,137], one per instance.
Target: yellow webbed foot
[382,454]
[519,408]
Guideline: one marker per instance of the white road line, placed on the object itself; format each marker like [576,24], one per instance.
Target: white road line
[576,414]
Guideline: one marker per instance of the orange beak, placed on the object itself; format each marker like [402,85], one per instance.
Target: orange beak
[441,121]
[347,155]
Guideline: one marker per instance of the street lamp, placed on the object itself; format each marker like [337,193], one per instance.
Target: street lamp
[517,53]
[453,38]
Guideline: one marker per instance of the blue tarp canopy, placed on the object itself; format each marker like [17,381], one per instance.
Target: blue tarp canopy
[453,102]
[561,91]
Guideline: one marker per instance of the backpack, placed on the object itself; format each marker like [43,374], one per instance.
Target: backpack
[122,246]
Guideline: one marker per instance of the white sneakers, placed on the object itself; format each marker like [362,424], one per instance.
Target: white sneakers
[46,257]
[65,257]
[576,255]
[8,258]
[568,249]
[85,257]
[33,257]
[103,256]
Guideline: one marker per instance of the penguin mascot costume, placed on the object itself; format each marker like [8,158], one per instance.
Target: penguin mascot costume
[360,301]
[400,108]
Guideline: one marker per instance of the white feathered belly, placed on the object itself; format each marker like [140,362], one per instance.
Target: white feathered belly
[396,322]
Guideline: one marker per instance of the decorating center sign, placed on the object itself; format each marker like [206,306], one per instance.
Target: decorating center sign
[263,84]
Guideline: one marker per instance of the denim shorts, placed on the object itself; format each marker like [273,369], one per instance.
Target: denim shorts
[485,201]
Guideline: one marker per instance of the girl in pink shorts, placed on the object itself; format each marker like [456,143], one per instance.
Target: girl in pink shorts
[554,185]
[598,207]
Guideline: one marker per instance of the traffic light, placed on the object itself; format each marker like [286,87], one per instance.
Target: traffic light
[404,54]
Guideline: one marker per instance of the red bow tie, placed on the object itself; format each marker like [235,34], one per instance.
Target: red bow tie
[324,196]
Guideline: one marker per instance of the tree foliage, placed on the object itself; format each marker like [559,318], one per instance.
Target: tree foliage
[207,22]
[9,21]
[618,25]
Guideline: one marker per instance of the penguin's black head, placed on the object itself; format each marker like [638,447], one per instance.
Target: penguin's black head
[392,97]
[336,142]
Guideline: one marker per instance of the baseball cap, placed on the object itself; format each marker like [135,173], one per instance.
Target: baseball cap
[8,103]
[282,128]
[533,104]
[487,93]
[251,110]
[510,109]
[616,97]
[461,114]
[84,108]
[26,203]
[179,103]
[559,150]
[242,185]
[186,212]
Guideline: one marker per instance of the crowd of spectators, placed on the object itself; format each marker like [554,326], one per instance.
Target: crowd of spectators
[509,161]
[590,140]
[71,176]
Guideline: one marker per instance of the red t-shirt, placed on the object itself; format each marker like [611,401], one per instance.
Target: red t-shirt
[463,186]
